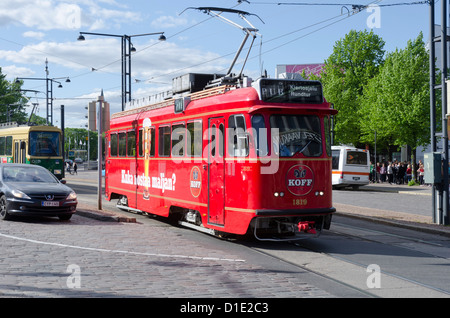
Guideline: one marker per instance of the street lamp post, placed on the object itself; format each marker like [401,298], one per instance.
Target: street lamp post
[49,90]
[127,49]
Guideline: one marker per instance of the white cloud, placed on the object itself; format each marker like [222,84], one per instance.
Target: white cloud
[43,15]
[169,22]
[58,15]
[33,35]
[103,54]
[12,71]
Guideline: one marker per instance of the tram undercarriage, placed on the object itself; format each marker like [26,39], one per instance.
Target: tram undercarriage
[267,228]
[289,228]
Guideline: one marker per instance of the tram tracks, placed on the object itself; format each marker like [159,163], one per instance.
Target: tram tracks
[340,256]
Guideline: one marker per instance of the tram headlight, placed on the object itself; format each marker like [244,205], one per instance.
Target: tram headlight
[276,194]
[319,193]
[279,194]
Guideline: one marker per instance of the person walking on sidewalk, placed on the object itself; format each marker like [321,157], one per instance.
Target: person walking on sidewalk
[390,172]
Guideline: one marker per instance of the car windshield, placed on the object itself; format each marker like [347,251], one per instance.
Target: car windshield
[27,174]
[44,143]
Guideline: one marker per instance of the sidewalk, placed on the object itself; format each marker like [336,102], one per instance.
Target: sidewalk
[398,188]
[400,219]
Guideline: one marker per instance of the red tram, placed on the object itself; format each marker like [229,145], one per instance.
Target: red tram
[228,159]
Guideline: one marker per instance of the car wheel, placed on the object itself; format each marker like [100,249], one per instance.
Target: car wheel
[4,215]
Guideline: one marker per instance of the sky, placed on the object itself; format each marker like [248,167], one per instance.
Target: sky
[35,31]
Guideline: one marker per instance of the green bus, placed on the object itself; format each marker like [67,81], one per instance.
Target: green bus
[39,145]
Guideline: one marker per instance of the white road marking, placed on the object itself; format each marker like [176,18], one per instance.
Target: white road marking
[122,251]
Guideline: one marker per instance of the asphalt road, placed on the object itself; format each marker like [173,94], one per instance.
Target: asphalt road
[405,202]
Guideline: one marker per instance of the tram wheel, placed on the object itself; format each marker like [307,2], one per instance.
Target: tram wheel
[123,201]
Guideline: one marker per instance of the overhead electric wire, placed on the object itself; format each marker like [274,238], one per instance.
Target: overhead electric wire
[270,40]
[231,53]
[339,4]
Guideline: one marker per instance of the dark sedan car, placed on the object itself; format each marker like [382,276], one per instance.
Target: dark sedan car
[33,190]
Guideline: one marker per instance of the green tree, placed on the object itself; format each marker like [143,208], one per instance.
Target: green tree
[12,101]
[396,101]
[75,136]
[355,60]
[37,120]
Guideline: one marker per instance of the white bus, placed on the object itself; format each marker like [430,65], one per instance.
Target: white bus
[351,167]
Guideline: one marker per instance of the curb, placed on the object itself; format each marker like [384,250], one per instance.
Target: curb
[107,216]
[411,225]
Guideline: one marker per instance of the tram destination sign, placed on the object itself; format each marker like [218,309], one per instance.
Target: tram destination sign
[290,91]
[181,103]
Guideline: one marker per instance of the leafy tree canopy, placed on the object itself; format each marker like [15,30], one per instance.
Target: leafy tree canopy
[355,60]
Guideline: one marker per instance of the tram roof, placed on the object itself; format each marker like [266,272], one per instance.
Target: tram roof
[220,97]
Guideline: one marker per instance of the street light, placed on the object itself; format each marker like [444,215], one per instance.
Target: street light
[127,49]
[49,86]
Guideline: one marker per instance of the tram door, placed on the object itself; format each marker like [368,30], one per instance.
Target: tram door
[20,152]
[216,171]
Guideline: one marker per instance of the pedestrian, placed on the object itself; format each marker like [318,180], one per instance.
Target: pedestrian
[383,173]
[75,167]
[390,172]
[408,173]
[401,173]
[378,169]
[371,173]
[421,173]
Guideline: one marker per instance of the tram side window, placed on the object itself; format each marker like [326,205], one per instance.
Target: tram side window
[8,146]
[131,144]
[164,141]
[238,138]
[113,151]
[260,135]
[178,140]
[2,146]
[142,142]
[194,139]
[122,144]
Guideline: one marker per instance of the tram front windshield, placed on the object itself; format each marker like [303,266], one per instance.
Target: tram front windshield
[44,143]
[297,134]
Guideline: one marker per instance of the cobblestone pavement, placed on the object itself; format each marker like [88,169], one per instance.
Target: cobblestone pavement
[85,257]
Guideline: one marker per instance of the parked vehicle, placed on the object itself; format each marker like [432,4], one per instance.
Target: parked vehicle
[27,189]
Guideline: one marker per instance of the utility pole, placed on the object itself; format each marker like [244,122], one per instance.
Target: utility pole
[99,150]
[436,167]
